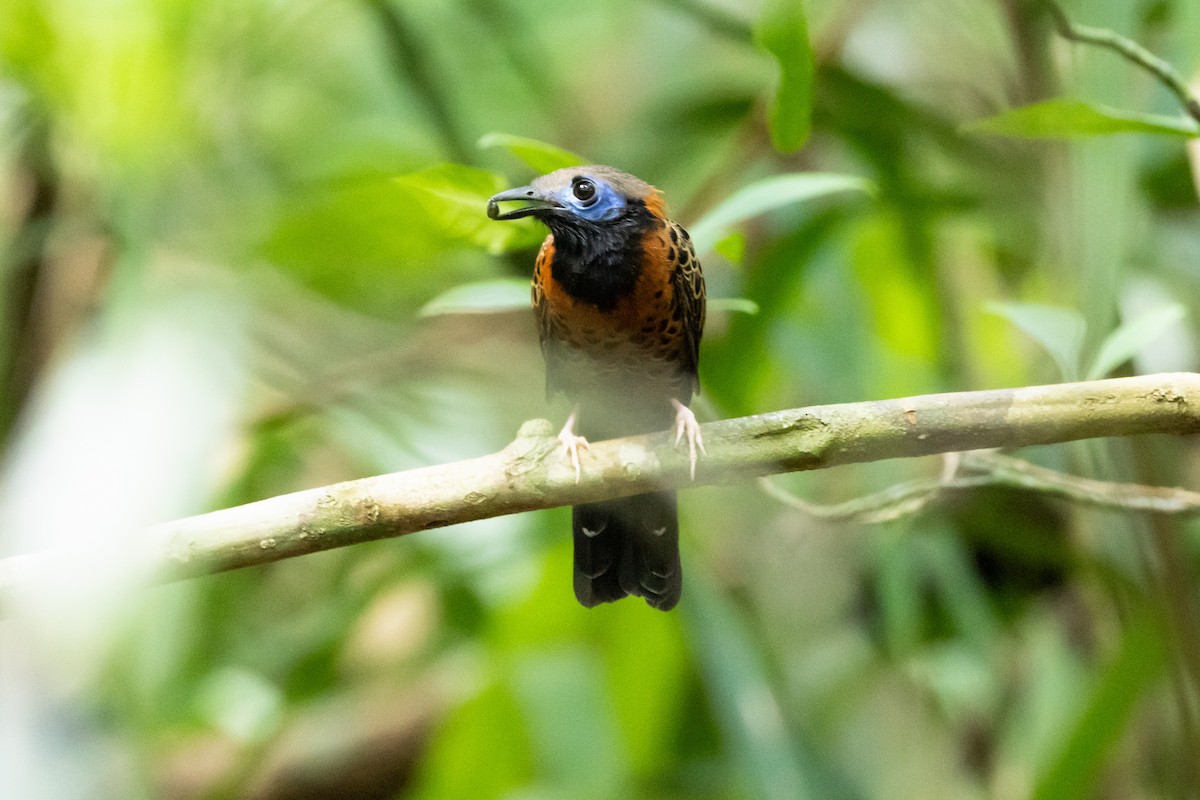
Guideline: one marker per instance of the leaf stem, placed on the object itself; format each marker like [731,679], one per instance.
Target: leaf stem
[1131,51]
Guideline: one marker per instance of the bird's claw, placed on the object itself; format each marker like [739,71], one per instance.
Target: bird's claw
[686,425]
[572,444]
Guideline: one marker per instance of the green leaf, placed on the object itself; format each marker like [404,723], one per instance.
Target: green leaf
[455,199]
[580,752]
[648,703]
[732,247]
[241,704]
[783,32]
[766,195]
[1080,761]
[1069,119]
[898,587]
[483,724]
[744,700]
[1059,331]
[946,560]
[1133,337]
[540,156]
[740,305]
[482,297]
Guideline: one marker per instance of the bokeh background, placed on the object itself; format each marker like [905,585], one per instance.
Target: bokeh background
[244,252]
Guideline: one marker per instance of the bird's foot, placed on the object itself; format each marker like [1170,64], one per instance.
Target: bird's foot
[572,444]
[686,425]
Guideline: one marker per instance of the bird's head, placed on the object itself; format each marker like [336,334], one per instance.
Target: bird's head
[580,196]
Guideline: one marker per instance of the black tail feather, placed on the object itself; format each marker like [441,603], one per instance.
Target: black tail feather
[628,546]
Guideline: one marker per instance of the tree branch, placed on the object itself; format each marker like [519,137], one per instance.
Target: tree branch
[528,474]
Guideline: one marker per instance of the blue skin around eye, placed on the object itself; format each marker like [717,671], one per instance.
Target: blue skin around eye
[608,203]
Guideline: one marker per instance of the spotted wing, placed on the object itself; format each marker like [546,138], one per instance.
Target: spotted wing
[541,311]
[688,283]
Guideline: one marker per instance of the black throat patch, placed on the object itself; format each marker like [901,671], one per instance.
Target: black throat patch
[599,262]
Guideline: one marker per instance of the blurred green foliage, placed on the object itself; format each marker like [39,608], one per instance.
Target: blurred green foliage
[244,250]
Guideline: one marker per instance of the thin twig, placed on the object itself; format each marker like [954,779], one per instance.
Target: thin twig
[1011,471]
[1131,51]
[896,501]
[911,497]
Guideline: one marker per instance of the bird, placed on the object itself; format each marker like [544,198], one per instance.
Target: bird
[618,296]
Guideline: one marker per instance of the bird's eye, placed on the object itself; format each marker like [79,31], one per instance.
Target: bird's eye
[584,190]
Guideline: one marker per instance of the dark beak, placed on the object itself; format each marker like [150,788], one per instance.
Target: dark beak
[537,202]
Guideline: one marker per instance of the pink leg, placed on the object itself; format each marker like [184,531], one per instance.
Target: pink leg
[686,425]
[571,444]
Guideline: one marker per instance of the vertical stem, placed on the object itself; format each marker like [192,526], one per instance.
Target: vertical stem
[412,64]
[19,367]
[1028,30]
[1175,586]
